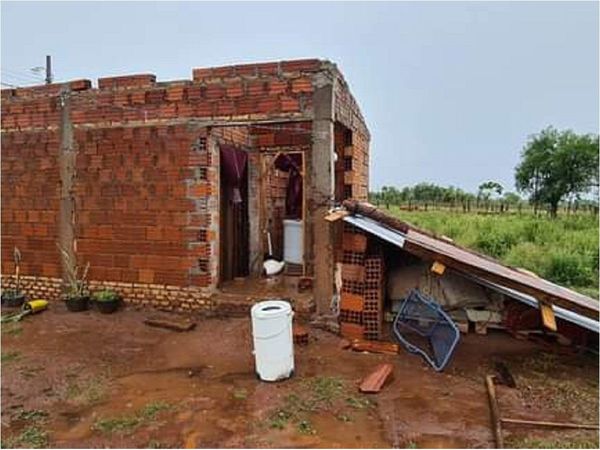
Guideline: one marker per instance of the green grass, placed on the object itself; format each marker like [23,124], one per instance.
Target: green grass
[31,437]
[128,423]
[316,395]
[563,250]
[87,392]
[558,443]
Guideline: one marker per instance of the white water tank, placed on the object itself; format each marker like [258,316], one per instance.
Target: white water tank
[273,339]
[293,242]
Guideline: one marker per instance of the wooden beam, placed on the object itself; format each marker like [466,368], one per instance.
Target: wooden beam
[494,411]
[540,423]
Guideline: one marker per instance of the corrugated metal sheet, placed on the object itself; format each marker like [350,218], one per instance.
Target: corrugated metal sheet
[371,226]
[473,265]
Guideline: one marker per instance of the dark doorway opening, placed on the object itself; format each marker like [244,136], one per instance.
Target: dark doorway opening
[234,224]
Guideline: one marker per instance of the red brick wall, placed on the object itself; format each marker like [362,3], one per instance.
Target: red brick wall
[347,113]
[30,201]
[146,177]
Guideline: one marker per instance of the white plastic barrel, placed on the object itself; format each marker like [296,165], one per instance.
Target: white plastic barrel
[293,242]
[273,339]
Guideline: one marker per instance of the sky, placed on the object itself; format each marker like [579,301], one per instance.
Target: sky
[450,90]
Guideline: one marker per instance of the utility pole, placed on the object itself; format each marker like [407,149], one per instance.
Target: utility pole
[48,69]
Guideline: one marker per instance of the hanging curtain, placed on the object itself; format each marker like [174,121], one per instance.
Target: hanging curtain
[292,164]
[234,163]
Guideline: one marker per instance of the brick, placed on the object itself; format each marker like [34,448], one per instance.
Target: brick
[374,382]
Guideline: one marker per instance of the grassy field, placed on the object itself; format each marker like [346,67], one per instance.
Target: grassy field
[563,250]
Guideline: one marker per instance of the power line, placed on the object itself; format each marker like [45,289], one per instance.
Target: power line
[9,85]
[21,76]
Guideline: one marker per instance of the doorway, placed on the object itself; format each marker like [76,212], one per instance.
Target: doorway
[233,217]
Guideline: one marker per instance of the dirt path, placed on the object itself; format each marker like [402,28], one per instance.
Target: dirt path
[90,380]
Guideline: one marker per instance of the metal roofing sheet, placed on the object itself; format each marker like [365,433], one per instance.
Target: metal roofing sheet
[516,284]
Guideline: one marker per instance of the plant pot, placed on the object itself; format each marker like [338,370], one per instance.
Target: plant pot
[76,304]
[108,306]
[12,300]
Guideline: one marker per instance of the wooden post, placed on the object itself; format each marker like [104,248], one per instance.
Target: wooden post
[539,423]
[494,411]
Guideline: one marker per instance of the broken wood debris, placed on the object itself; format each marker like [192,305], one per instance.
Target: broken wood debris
[497,420]
[374,382]
[170,323]
[541,423]
[359,345]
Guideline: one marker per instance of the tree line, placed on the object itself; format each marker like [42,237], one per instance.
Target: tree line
[558,169]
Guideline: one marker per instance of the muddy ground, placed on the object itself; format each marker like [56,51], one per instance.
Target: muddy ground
[92,380]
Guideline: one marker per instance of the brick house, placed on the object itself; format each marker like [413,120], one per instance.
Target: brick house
[168,189]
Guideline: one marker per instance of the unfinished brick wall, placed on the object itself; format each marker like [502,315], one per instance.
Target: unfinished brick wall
[30,201]
[145,184]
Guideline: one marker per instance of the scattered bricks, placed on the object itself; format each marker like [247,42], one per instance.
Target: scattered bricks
[127,81]
[374,382]
[352,302]
[375,347]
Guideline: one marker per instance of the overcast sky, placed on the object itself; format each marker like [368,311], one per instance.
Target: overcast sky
[450,91]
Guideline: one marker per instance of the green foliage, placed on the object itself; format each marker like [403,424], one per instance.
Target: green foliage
[106,295]
[555,165]
[563,250]
[13,329]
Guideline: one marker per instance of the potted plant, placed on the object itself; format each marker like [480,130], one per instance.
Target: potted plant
[14,297]
[76,295]
[107,301]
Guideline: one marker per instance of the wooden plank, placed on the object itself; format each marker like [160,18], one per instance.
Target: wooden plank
[374,382]
[494,411]
[336,215]
[438,268]
[171,324]
[548,318]
[360,345]
[540,423]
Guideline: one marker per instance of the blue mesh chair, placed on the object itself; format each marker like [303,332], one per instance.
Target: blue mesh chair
[424,328]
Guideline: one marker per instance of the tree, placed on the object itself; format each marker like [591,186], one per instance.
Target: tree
[557,165]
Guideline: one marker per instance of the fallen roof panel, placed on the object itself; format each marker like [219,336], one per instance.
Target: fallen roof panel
[428,246]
